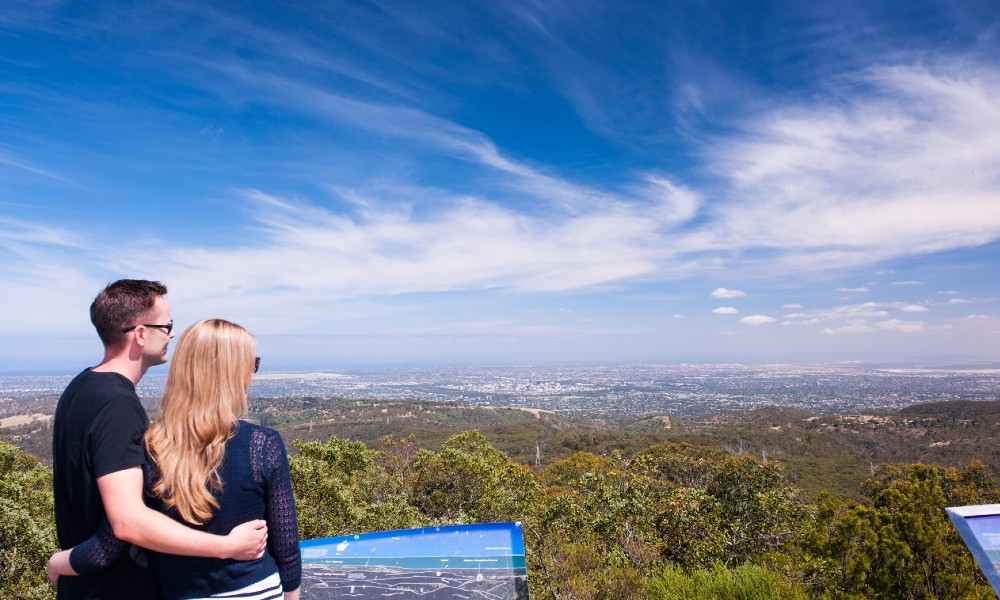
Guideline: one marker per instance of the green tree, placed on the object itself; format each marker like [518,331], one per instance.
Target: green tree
[471,481]
[27,525]
[759,510]
[673,504]
[691,528]
[902,545]
[971,485]
[340,489]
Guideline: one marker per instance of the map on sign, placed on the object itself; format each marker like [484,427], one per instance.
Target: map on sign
[980,529]
[483,562]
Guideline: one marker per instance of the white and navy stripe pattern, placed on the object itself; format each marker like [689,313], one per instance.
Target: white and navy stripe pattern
[265,589]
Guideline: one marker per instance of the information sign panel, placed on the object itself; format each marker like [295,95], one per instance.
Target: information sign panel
[482,561]
[980,528]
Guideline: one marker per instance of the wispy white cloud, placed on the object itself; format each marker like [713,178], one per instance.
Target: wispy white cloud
[755,320]
[805,179]
[21,233]
[46,274]
[860,290]
[303,255]
[727,293]
[27,166]
[662,199]
[796,170]
[867,309]
[855,318]
[853,326]
[856,326]
[725,310]
[796,316]
[907,283]
[958,301]
[792,305]
[903,166]
[901,326]
[799,322]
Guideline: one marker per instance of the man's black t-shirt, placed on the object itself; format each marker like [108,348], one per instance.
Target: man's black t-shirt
[98,429]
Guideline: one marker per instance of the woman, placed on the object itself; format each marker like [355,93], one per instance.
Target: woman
[213,471]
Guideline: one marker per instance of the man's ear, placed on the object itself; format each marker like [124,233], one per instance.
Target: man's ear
[140,335]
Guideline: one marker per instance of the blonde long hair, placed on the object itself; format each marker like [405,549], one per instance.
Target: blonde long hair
[205,396]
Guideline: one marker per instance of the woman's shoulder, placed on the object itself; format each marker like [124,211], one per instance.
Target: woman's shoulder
[264,444]
[257,431]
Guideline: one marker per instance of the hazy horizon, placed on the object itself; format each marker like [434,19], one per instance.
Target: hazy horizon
[284,366]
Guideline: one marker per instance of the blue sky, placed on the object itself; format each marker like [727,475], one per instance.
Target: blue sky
[453,183]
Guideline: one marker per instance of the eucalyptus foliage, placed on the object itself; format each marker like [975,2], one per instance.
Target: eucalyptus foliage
[27,525]
[671,521]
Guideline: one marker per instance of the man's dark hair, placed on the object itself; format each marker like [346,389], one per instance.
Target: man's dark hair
[120,305]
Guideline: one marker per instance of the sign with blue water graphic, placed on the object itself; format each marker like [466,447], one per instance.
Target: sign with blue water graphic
[481,561]
[980,529]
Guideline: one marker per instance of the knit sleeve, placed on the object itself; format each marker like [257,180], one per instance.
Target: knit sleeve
[98,552]
[282,523]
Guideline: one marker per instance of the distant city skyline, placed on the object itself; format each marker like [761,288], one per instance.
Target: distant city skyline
[478,183]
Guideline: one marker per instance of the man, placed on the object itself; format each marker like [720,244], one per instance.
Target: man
[98,452]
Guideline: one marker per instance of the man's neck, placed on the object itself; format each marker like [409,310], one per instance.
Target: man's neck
[132,370]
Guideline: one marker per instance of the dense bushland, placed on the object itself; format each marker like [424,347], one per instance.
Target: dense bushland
[671,521]
[670,518]
[27,525]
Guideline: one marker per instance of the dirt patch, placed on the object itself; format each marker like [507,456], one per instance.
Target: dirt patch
[22,420]
[535,411]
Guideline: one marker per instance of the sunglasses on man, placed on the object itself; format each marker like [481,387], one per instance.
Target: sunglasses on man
[168,327]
